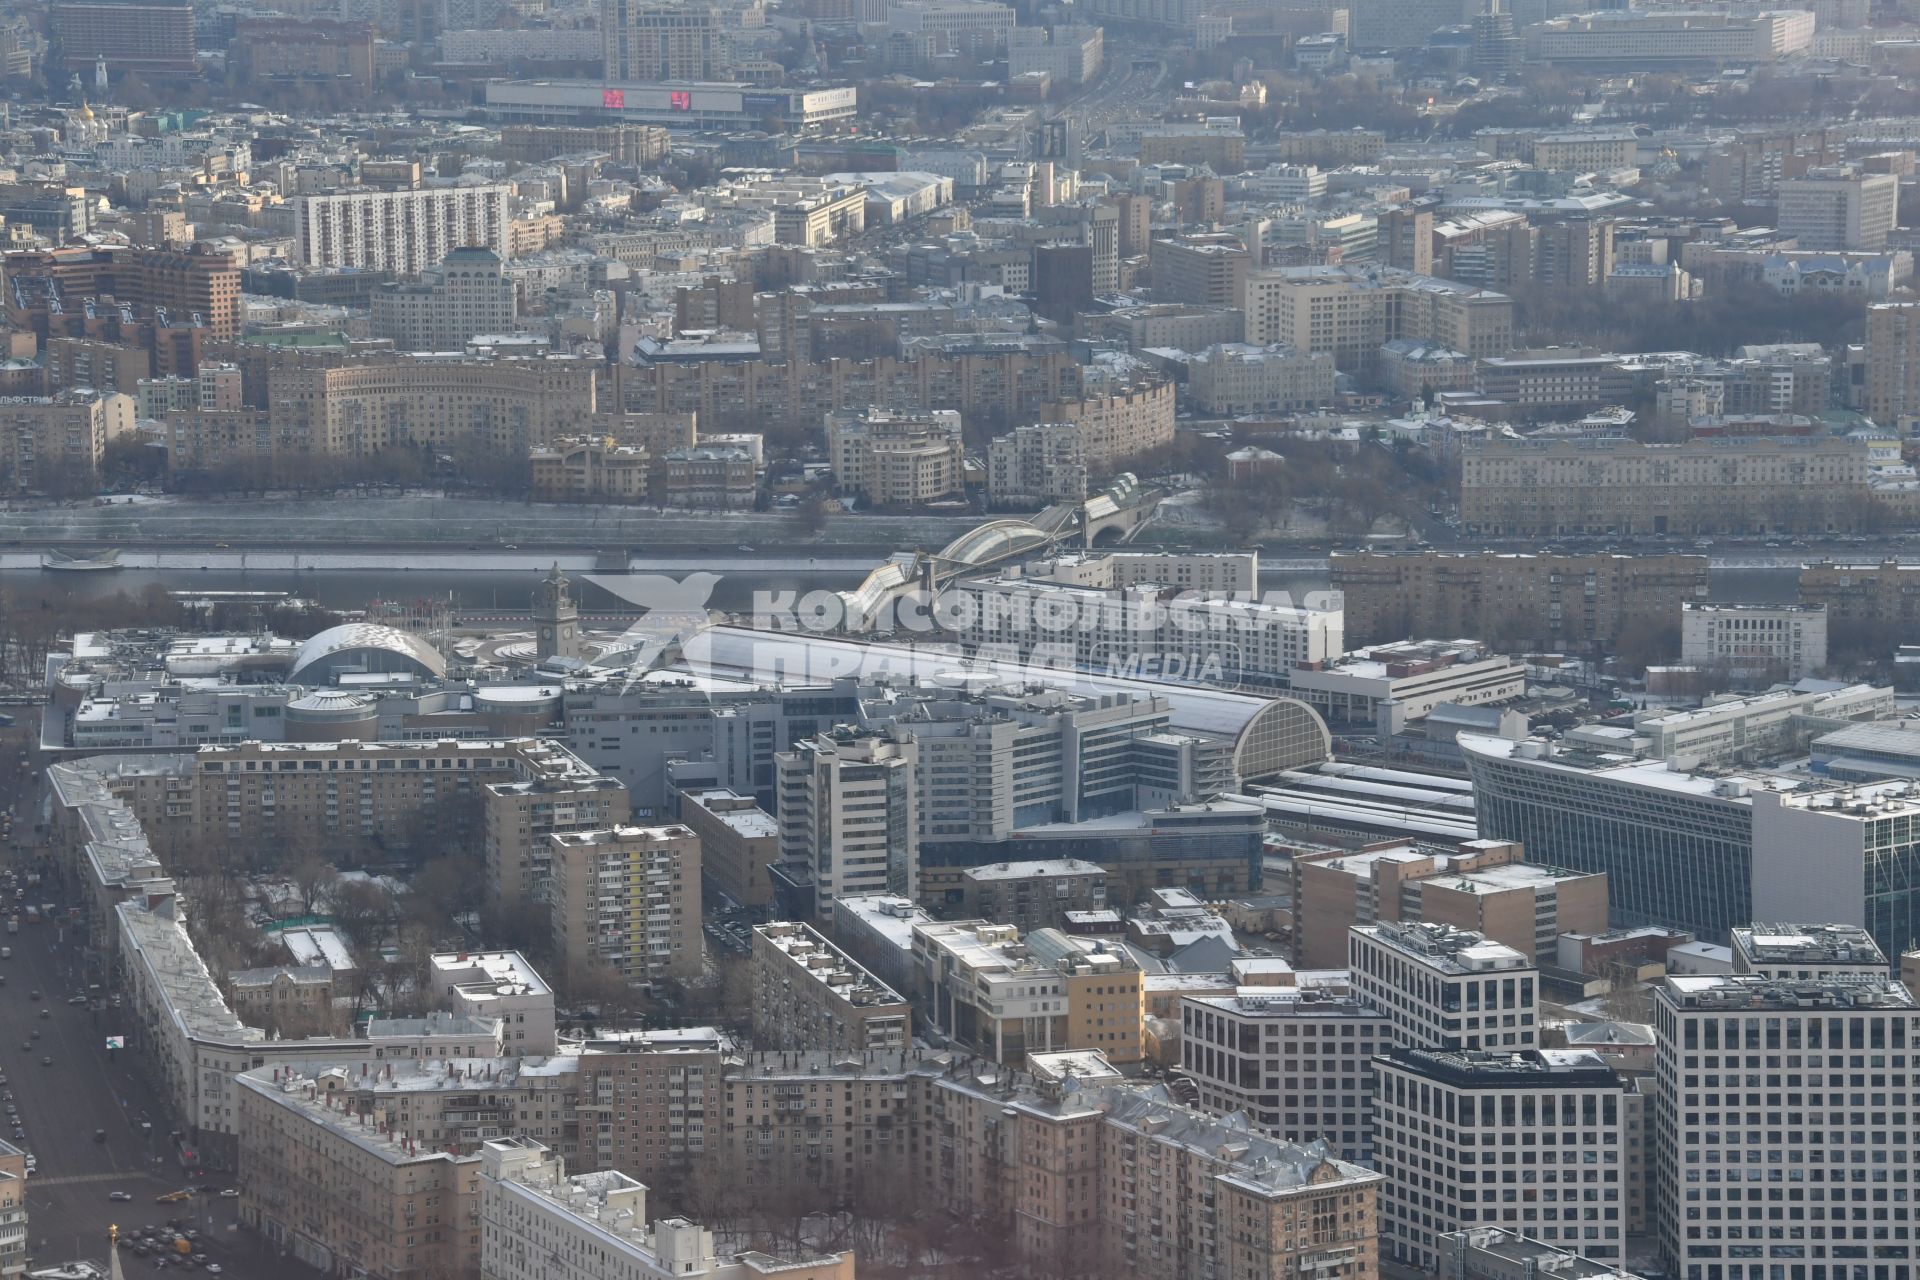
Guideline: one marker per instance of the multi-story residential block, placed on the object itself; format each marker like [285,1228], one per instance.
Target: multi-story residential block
[467,293]
[144,39]
[637,145]
[1236,379]
[1148,627]
[1203,270]
[54,444]
[1039,463]
[1348,312]
[1714,1107]
[739,841]
[1754,642]
[1005,996]
[13,1210]
[1565,1108]
[1878,600]
[498,985]
[404,232]
[1446,988]
[896,460]
[1119,423]
[1482,885]
[627,898]
[846,804]
[1839,208]
[1518,601]
[809,994]
[590,1226]
[1722,485]
[1892,361]
[341,1194]
[651,43]
[1033,895]
[552,793]
[1296,1059]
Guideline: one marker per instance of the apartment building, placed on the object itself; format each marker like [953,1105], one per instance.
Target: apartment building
[403,232]
[846,806]
[637,145]
[1870,599]
[196,282]
[344,1195]
[877,933]
[54,444]
[896,460]
[555,792]
[1523,601]
[1715,1036]
[739,842]
[1203,270]
[13,1210]
[1033,895]
[368,404]
[1006,996]
[644,42]
[1485,886]
[1118,423]
[1754,642]
[1566,1108]
[1296,1059]
[1039,463]
[500,985]
[1892,361]
[709,478]
[1749,485]
[1146,627]
[627,898]
[1348,312]
[1839,208]
[1446,988]
[291,1000]
[466,294]
[1237,379]
[591,1226]
[810,995]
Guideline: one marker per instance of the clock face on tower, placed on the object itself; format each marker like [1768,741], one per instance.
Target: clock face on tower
[546,633]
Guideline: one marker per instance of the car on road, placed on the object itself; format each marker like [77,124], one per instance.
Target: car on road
[33,995]
[119,1195]
[99,1135]
[76,999]
[230,1193]
[46,1013]
[46,1062]
[213,1268]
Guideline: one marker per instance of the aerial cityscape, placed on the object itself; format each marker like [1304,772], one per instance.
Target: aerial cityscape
[959,640]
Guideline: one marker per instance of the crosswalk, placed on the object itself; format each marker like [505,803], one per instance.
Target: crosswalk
[74,1178]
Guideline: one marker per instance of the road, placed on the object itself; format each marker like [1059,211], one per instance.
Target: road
[84,1089]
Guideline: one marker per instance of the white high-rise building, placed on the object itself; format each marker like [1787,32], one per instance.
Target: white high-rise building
[1534,1142]
[404,232]
[845,803]
[1446,988]
[1766,1088]
[1839,208]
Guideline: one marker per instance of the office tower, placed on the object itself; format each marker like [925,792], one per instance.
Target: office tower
[647,42]
[846,812]
[1840,208]
[1446,988]
[1447,1129]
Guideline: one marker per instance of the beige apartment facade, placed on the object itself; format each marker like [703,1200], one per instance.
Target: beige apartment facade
[1119,424]
[1516,600]
[1532,488]
[1349,312]
[809,994]
[347,1197]
[627,898]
